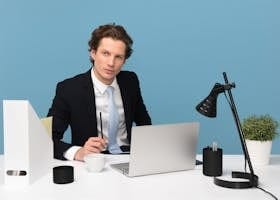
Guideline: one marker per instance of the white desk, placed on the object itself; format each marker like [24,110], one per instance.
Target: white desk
[110,184]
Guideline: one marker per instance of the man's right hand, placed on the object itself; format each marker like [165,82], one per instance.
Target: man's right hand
[92,145]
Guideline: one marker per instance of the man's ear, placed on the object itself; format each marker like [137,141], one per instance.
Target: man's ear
[92,54]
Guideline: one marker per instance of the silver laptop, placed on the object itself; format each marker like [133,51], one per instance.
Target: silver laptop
[160,149]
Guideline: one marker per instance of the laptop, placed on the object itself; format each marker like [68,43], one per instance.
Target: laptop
[160,149]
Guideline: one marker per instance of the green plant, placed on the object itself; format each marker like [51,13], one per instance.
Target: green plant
[261,128]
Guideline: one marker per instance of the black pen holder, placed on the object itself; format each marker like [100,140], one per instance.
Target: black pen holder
[212,161]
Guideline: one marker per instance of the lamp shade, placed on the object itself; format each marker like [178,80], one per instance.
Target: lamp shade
[208,107]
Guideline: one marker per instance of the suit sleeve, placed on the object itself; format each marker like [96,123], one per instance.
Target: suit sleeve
[142,116]
[61,115]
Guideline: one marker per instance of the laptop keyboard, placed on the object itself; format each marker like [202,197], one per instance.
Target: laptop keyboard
[123,167]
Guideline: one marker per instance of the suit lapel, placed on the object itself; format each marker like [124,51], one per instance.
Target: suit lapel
[125,97]
[89,95]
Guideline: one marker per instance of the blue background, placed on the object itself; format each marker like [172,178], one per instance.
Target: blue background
[181,49]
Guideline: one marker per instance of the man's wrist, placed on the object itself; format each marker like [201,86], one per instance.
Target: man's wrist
[71,152]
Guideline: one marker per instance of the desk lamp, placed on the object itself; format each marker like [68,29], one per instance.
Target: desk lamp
[208,108]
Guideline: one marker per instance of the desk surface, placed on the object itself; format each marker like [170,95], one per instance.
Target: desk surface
[177,185]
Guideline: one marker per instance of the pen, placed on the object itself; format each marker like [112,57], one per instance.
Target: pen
[101,129]
[214,146]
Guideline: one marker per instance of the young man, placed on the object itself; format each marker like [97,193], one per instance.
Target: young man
[83,102]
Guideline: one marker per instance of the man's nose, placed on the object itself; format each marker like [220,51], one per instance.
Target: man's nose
[111,61]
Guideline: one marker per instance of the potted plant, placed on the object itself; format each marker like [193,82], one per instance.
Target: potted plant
[259,132]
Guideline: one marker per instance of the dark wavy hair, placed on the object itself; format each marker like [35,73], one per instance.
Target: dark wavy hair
[113,31]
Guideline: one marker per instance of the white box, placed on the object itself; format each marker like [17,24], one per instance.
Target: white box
[28,149]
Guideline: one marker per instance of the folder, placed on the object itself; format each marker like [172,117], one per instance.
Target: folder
[28,147]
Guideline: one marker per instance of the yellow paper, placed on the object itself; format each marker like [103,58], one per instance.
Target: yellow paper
[47,122]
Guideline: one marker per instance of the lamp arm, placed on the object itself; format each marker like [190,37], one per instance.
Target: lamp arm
[239,128]
[240,131]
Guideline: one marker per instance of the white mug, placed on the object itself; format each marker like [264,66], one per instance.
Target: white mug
[95,162]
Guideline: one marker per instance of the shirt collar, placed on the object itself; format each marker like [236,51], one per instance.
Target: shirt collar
[101,86]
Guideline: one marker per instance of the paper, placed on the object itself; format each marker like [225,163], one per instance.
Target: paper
[47,122]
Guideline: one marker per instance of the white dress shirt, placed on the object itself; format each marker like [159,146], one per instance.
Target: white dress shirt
[101,102]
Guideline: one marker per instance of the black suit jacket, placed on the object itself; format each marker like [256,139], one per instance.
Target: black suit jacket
[74,105]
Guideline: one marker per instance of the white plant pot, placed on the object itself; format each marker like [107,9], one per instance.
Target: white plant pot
[259,152]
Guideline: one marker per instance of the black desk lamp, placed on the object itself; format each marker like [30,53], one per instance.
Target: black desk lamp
[208,108]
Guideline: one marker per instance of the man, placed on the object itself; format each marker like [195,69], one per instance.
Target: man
[83,103]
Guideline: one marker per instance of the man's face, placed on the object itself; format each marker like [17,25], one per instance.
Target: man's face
[108,59]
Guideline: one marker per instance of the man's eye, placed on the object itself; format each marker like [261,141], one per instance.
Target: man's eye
[105,53]
[120,57]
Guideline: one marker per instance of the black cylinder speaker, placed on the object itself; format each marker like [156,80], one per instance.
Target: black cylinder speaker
[212,161]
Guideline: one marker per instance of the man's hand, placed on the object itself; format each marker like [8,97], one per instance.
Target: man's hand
[92,145]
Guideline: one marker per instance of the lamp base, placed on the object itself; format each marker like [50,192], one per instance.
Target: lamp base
[253,181]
